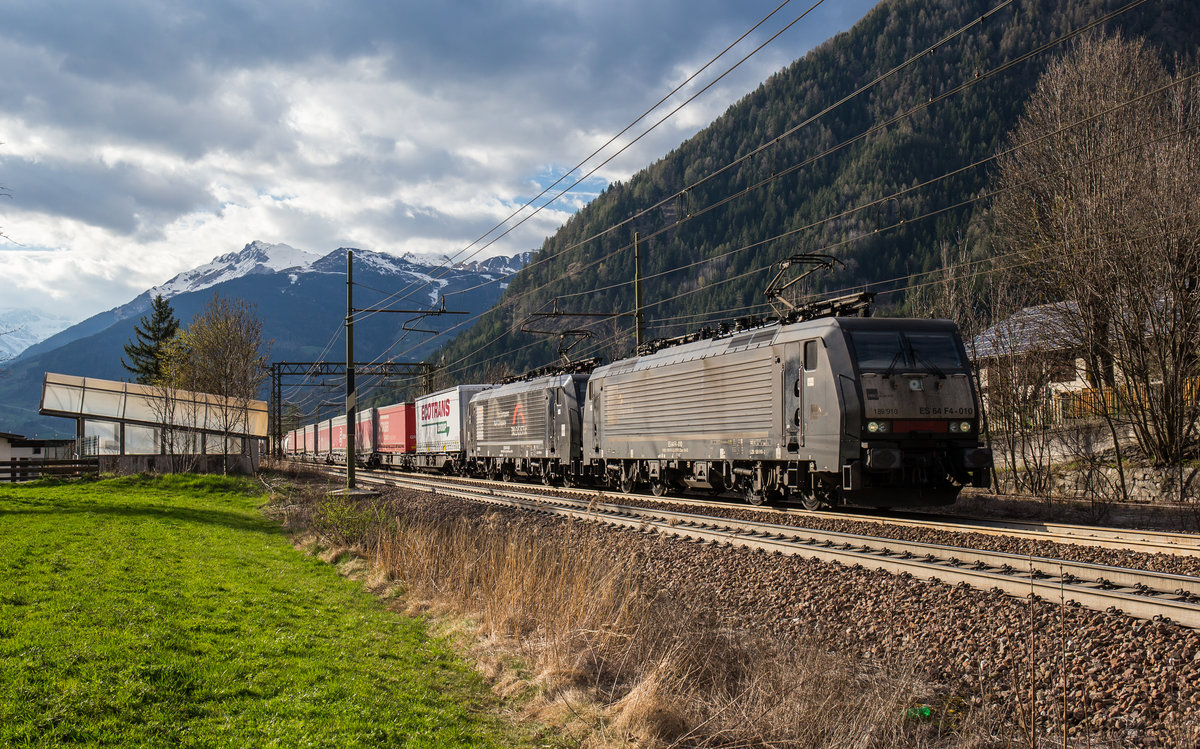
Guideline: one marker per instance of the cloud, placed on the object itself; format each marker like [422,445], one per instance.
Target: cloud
[142,138]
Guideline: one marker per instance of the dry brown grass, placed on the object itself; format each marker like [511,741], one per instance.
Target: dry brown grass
[568,619]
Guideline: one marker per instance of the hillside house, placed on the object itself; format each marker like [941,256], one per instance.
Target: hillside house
[1032,357]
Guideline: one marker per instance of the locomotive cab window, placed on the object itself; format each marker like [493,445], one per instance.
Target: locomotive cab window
[878,350]
[891,350]
[811,352]
[934,350]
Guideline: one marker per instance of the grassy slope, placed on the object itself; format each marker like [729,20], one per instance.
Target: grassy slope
[170,612]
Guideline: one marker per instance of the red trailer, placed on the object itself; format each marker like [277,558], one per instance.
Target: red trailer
[308,440]
[364,434]
[395,433]
[324,449]
[338,446]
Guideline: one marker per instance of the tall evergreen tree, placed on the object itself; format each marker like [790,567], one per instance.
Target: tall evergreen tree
[152,333]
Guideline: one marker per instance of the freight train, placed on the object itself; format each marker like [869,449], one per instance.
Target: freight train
[880,412]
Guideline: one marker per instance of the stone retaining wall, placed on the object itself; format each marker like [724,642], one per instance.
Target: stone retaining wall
[1143,484]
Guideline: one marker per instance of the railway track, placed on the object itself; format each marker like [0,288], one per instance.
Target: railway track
[1149,542]
[1137,593]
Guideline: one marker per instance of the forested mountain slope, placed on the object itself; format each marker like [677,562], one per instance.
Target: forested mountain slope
[710,251]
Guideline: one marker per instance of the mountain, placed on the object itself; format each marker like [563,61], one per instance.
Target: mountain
[23,328]
[807,155]
[256,258]
[301,298]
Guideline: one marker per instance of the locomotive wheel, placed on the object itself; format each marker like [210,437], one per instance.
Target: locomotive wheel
[547,478]
[568,480]
[627,482]
[810,501]
[658,488]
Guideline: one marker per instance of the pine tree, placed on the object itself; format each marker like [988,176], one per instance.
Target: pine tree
[145,353]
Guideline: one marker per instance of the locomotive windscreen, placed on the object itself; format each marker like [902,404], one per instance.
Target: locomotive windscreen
[934,350]
[891,350]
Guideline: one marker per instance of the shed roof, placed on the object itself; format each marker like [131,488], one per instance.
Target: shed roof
[1041,328]
[108,400]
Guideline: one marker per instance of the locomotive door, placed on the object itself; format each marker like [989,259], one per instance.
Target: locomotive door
[810,402]
[593,406]
[793,386]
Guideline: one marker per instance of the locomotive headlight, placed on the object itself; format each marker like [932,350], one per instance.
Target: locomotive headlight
[877,427]
[964,427]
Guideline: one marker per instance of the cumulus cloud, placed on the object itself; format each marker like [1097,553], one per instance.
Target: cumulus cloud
[141,138]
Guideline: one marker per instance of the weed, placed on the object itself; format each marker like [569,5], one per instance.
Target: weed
[606,655]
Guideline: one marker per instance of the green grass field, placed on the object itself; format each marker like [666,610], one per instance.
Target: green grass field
[167,612]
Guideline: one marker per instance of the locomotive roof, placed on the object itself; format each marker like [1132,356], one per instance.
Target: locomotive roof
[770,334]
[525,386]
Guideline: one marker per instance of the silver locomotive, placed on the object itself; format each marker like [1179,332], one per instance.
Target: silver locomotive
[881,412]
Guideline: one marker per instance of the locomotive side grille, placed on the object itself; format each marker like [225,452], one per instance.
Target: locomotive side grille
[730,394]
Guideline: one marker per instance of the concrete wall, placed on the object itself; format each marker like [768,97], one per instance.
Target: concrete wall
[130,464]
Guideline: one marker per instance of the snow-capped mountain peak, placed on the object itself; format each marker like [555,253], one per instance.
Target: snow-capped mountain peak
[22,328]
[255,258]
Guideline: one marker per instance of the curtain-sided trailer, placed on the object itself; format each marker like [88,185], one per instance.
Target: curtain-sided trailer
[441,421]
[396,434]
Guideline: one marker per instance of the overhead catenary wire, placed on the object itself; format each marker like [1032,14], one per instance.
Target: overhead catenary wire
[908,278]
[772,141]
[610,141]
[976,80]
[776,139]
[1003,67]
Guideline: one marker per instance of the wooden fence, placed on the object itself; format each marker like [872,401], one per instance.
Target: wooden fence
[28,470]
[1090,403]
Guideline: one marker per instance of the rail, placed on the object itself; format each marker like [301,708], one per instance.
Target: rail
[1138,593]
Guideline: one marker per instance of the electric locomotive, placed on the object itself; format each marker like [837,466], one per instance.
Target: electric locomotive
[529,428]
[831,410]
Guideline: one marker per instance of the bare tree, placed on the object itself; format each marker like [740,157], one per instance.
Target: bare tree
[226,356]
[1099,203]
[177,411]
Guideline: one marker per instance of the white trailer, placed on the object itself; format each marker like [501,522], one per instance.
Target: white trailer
[441,421]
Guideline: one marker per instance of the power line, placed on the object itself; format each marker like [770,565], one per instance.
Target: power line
[512,300]
[624,130]
[941,97]
[773,141]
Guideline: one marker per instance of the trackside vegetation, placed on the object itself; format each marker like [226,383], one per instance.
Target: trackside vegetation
[170,612]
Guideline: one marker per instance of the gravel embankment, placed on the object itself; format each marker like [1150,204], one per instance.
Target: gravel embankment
[1130,678]
[1166,563]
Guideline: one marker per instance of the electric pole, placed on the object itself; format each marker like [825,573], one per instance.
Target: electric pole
[637,288]
[351,395]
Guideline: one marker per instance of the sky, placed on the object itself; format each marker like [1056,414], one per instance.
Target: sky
[141,138]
